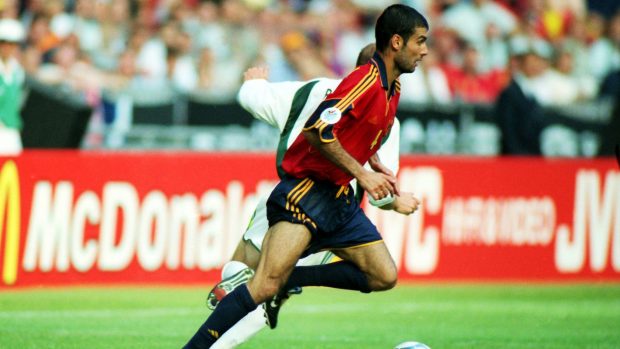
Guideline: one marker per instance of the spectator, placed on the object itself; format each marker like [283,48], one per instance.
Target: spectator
[447,46]
[494,50]
[428,85]
[202,46]
[467,82]
[550,18]
[87,27]
[115,30]
[272,52]
[41,37]
[62,24]
[471,18]
[70,68]
[566,86]
[303,57]
[610,87]
[538,78]
[181,66]
[31,9]
[11,81]
[605,51]
[206,70]
[151,54]
[126,70]
[210,31]
[520,115]
[342,31]
[611,135]
[576,43]
[214,79]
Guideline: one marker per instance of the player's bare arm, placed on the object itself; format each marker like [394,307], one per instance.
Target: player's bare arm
[376,164]
[405,203]
[379,185]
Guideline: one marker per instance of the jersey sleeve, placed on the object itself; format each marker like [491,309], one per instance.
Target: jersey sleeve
[341,102]
[268,101]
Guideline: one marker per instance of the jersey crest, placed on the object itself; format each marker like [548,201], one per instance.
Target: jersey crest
[331,115]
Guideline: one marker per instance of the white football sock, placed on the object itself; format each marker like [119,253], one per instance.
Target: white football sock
[231,268]
[243,330]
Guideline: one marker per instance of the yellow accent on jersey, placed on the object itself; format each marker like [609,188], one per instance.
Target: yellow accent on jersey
[376,139]
[359,89]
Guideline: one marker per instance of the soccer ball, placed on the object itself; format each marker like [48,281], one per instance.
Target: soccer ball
[412,345]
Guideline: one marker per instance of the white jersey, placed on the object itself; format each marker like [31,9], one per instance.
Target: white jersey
[287,106]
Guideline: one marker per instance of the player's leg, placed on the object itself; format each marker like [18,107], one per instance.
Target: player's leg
[248,249]
[283,245]
[367,264]
[243,330]
[237,272]
[247,254]
[254,322]
[234,273]
[375,261]
[356,230]
[245,258]
[365,269]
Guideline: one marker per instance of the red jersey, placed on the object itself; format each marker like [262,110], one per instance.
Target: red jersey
[359,113]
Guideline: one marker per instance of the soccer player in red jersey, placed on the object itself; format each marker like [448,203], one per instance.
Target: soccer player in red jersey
[313,206]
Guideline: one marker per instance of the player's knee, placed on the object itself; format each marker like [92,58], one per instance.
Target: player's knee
[385,284]
[390,281]
[385,280]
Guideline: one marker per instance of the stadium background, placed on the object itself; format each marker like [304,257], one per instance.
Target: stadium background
[140,171]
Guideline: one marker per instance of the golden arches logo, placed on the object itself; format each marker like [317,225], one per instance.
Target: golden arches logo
[9,220]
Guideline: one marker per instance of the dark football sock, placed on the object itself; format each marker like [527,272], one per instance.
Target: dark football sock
[343,275]
[231,309]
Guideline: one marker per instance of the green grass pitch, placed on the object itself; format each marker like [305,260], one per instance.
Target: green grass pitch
[477,316]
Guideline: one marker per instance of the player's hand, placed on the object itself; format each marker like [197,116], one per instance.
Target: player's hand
[378,185]
[378,166]
[406,204]
[254,73]
[381,168]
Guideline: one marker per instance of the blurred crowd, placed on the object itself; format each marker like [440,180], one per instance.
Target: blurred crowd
[562,51]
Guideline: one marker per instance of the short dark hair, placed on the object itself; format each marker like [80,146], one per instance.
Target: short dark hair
[397,19]
[365,54]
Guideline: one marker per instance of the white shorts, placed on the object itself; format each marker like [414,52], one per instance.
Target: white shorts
[257,228]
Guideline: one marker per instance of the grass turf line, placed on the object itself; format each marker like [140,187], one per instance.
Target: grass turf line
[476,316]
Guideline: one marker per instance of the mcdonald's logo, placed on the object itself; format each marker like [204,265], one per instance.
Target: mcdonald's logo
[9,221]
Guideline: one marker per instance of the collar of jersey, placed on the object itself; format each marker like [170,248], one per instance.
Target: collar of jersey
[378,62]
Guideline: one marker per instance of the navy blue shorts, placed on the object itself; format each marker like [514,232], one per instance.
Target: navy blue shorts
[329,211]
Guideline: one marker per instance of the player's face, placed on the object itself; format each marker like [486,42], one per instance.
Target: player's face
[412,52]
